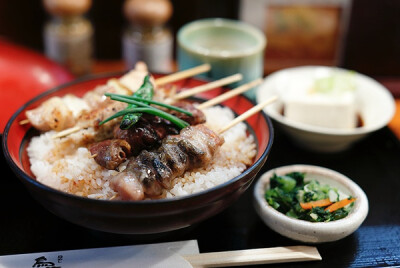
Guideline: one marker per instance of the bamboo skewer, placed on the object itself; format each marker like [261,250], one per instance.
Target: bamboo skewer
[160,81]
[67,132]
[207,104]
[183,74]
[24,122]
[208,86]
[247,114]
[243,88]
[229,94]
[254,256]
[114,82]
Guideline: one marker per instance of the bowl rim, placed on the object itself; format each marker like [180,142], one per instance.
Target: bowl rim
[357,214]
[323,130]
[221,22]
[22,174]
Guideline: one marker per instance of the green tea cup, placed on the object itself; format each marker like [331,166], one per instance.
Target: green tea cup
[229,46]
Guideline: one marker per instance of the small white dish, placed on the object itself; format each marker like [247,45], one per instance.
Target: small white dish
[312,232]
[374,103]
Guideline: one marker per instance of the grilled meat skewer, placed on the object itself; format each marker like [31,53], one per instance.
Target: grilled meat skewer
[152,171]
[146,134]
[197,117]
[59,113]
[110,153]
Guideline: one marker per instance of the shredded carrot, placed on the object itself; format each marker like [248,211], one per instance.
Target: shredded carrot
[340,204]
[318,203]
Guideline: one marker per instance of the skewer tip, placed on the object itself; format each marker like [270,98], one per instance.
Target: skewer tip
[183,74]
[24,122]
[248,113]
[209,86]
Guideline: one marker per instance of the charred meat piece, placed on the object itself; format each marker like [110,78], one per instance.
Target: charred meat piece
[147,133]
[110,153]
[197,117]
[194,147]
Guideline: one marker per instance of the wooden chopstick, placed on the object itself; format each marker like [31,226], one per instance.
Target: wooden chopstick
[248,113]
[254,256]
[183,74]
[218,83]
[229,94]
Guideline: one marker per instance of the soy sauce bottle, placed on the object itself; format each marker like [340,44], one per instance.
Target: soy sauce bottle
[68,35]
[147,38]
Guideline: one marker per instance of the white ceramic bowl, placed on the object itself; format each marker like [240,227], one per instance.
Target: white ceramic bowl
[312,232]
[375,105]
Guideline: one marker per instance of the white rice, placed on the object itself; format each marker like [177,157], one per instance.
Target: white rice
[70,169]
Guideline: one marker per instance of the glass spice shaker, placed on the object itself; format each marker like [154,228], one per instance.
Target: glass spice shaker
[147,38]
[68,35]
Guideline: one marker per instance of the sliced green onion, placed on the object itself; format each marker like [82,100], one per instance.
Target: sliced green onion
[117,114]
[173,119]
[130,101]
[150,110]
[125,98]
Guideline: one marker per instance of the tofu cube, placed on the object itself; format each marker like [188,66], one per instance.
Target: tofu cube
[328,101]
[323,110]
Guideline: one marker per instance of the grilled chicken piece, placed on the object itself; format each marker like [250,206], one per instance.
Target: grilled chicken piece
[56,113]
[127,84]
[110,153]
[192,148]
[103,111]
[134,79]
[62,113]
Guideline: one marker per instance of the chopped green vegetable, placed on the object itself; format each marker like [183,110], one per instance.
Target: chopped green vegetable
[139,103]
[136,100]
[289,194]
[286,183]
[150,110]
[145,92]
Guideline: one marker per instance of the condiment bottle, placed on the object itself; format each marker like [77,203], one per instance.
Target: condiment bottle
[68,35]
[147,38]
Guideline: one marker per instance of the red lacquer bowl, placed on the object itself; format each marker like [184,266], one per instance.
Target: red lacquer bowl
[139,217]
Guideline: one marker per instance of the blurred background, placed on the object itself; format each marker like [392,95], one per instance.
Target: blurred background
[371,40]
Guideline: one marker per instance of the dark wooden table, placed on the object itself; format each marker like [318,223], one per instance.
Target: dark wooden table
[374,164]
